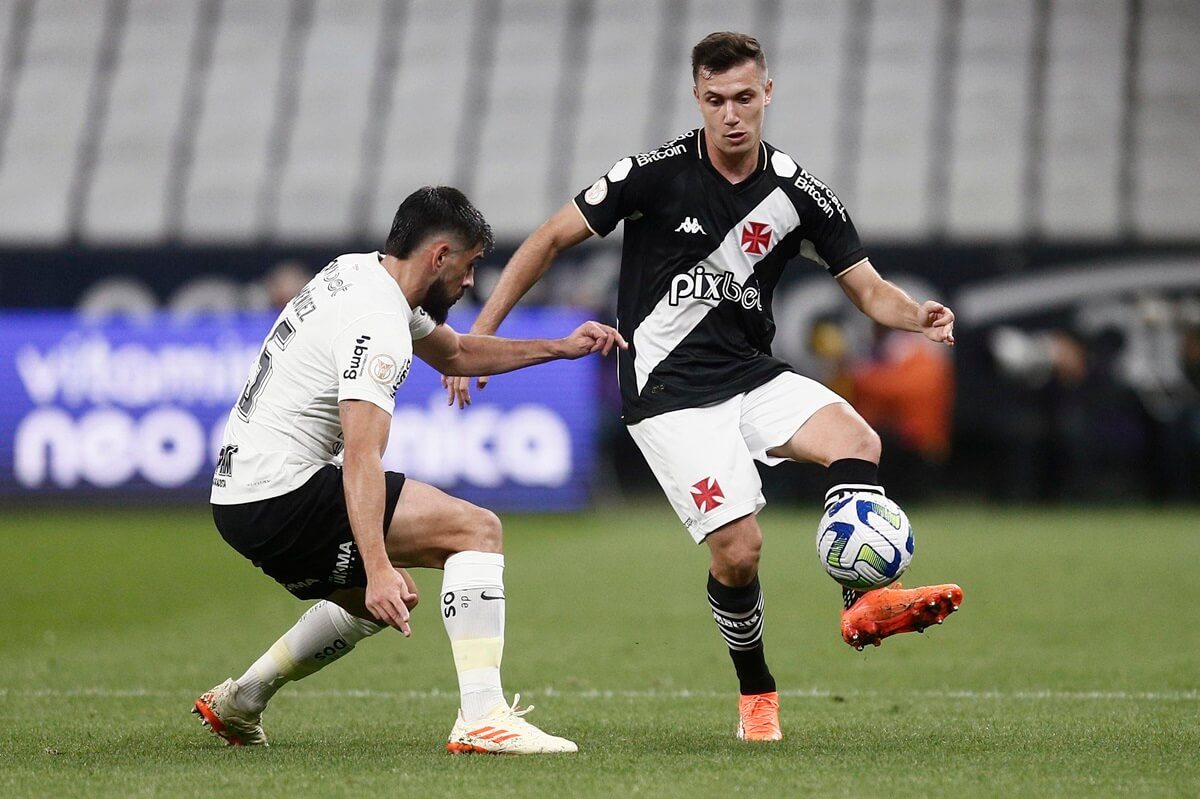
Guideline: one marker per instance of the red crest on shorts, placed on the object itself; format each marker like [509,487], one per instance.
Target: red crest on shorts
[707,494]
[756,238]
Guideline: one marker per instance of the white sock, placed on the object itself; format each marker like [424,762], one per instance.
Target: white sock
[322,635]
[473,610]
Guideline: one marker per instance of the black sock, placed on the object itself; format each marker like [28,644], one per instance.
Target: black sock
[848,476]
[738,612]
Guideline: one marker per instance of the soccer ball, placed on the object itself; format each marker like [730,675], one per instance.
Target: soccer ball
[865,541]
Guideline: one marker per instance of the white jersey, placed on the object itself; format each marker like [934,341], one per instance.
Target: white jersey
[347,335]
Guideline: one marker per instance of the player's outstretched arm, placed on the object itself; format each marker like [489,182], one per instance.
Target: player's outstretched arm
[888,305]
[561,231]
[365,428]
[452,353]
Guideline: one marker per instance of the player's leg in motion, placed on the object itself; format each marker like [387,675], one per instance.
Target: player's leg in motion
[430,528]
[736,599]
[719,510]
[839,439]
[324,634]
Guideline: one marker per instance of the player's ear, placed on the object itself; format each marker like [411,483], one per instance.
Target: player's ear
[438,250]
[767,91]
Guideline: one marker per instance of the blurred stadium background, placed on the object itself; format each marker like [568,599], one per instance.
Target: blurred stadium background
[169,169]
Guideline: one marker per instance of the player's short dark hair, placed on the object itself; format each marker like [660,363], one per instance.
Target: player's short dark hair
[723,50]
[436,209]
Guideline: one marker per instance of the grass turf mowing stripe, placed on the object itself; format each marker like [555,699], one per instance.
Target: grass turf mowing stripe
[607,694]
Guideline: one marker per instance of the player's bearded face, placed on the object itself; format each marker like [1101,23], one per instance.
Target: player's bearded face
[733,104]
[456,276]
[437,302]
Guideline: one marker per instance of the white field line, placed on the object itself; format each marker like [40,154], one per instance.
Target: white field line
[810,693]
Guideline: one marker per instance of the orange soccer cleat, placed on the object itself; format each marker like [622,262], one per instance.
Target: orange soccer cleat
[894,609]
[758,717]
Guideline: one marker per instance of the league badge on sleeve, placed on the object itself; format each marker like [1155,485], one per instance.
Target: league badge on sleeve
[598,191]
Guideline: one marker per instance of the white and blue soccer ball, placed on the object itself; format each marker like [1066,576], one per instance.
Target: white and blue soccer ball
[865,541]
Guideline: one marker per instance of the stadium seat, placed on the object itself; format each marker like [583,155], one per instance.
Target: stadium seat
[989,142]
[518,131]
[9,27]
[129,186]
[225,186]
[324,165]
[891,190]
[428,105]
[50,105]
[242,121]
[1081,142]
[808,61]
[613,121]
[1167,143]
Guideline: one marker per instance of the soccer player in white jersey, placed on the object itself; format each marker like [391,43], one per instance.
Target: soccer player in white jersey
[711,219]
[300,489]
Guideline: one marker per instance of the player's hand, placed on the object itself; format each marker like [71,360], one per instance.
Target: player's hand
[591,337]
[389,597]
[937,322]
[458,388]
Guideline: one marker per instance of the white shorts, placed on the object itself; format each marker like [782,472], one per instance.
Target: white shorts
[704,457]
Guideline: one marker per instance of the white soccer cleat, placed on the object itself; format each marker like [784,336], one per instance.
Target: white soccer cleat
[219,713]
[504,732]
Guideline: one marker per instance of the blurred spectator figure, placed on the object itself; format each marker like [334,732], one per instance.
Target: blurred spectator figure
[284,281]
[1067,426]
[1179,431]
[827,342]
[905,390]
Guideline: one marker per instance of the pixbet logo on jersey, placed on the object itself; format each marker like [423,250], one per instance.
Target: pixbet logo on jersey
[716,286]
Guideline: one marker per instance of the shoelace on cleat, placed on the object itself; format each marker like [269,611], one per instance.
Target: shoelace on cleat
[515,715]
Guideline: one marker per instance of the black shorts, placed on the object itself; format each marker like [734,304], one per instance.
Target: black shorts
[303,538]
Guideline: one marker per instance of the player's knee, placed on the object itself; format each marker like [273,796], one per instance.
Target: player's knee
[487,533]
[855,440]
[736,563]
[867,445]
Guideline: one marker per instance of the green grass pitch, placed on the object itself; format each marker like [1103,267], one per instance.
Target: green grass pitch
[1072,669]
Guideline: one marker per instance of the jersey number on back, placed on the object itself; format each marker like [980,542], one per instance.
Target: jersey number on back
[281,335]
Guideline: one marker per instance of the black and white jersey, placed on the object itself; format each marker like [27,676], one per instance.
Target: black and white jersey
[347,335]
[700,262]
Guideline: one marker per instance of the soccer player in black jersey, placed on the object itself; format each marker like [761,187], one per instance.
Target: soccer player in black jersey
[711,219]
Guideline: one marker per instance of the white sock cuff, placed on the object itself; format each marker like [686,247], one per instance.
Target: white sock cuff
[351,627]
[471,569]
